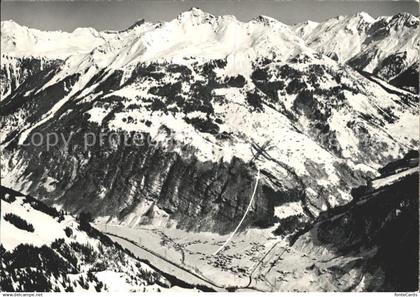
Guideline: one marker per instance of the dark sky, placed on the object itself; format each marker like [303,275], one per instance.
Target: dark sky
[116,15]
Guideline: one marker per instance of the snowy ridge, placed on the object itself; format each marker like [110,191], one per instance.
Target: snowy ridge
[199,34]
[360,35]
[342,35]
[192,33]
[21,41]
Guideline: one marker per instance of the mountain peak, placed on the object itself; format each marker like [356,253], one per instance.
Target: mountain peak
[309,22]
[196,15]
[139,22]
[365,16]
[10,25]
[265,19]
[196,10]
[403,19]
[9,22]
[405,16]
[85,31]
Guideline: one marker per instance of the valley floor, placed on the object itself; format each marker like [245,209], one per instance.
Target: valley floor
[253,260]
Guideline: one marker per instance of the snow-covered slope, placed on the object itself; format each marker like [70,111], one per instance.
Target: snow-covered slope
[26,51]
[385,46]
[341,37]
[45,250]
[305,29]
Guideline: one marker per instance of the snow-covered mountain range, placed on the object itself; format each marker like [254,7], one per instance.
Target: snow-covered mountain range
[216,88]
[385,46]
[282,120]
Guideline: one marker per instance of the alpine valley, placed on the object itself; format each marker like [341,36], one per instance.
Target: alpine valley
[278,157]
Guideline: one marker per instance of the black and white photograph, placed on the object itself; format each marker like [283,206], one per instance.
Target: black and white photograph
[197,146]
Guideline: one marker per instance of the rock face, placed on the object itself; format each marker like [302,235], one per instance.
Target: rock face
[408,79]
[15,71]
[208,121]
